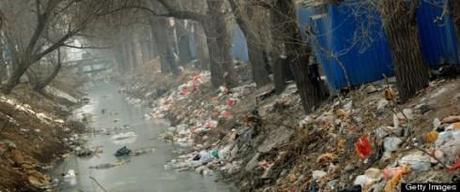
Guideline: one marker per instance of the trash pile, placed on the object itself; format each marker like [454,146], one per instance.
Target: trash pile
[363,140]
[182,92]
[377,144]
[149,83]
[202,116]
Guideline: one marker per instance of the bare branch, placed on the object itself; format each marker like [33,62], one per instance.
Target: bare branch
[181,14]
[85,47]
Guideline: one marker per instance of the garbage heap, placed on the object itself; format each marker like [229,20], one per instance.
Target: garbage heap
[361,141]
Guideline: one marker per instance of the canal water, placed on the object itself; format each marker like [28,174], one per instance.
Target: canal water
[146,172]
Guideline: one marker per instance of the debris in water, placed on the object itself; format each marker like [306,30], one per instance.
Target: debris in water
[110,165]
[124,151]
[124,138]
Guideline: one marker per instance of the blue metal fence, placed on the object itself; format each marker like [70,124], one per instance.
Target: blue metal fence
[437,34]
[239,45]
[350,44]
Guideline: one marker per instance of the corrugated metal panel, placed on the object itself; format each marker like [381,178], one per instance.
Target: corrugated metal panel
[351,46]
[349,41]
[303,15]
[437,33]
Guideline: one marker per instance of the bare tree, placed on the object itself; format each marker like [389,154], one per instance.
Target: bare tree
[455,4]
[39,83]
[55,22]
[401,28]
[201,46]
[287,36]
[214,23]
[163,36]
[255,46]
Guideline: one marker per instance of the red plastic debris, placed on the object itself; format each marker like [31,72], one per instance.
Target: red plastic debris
[391,172]
[231,102]
[363,147]
[455,166]
[210,124]
[185,91]
[227,115]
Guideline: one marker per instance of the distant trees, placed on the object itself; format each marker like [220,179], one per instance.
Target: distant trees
[30,36]
[290,56]
[214,23]
[401,28]
[271,29]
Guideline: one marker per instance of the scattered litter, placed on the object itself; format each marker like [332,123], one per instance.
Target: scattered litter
[451,119]
[70,177]
[382,103]
[318,174]
[391,144]
[84,152]
[431,136]
[417,162]
[124,138]
[124,151]
[110,165]
[363,147]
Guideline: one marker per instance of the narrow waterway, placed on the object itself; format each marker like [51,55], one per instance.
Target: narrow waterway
[145,172]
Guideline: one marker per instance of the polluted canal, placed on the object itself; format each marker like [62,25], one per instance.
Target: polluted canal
[117,124]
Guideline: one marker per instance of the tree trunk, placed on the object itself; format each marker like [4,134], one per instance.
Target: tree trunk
[183,42]
[455,4]
[129,57]
[255,46]
[219,46]
[119,56]
[134,58]
[280,65]
[201,47]
[125,64]
[163,37]
[153,44]
[214,57]
[42,84]
[13,80]
[307,80]
[145,52]
[3,68]
[3,72]
[257,61]
[401,28]
[278,75]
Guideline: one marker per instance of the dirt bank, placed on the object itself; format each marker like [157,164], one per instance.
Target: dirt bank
[33,132]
